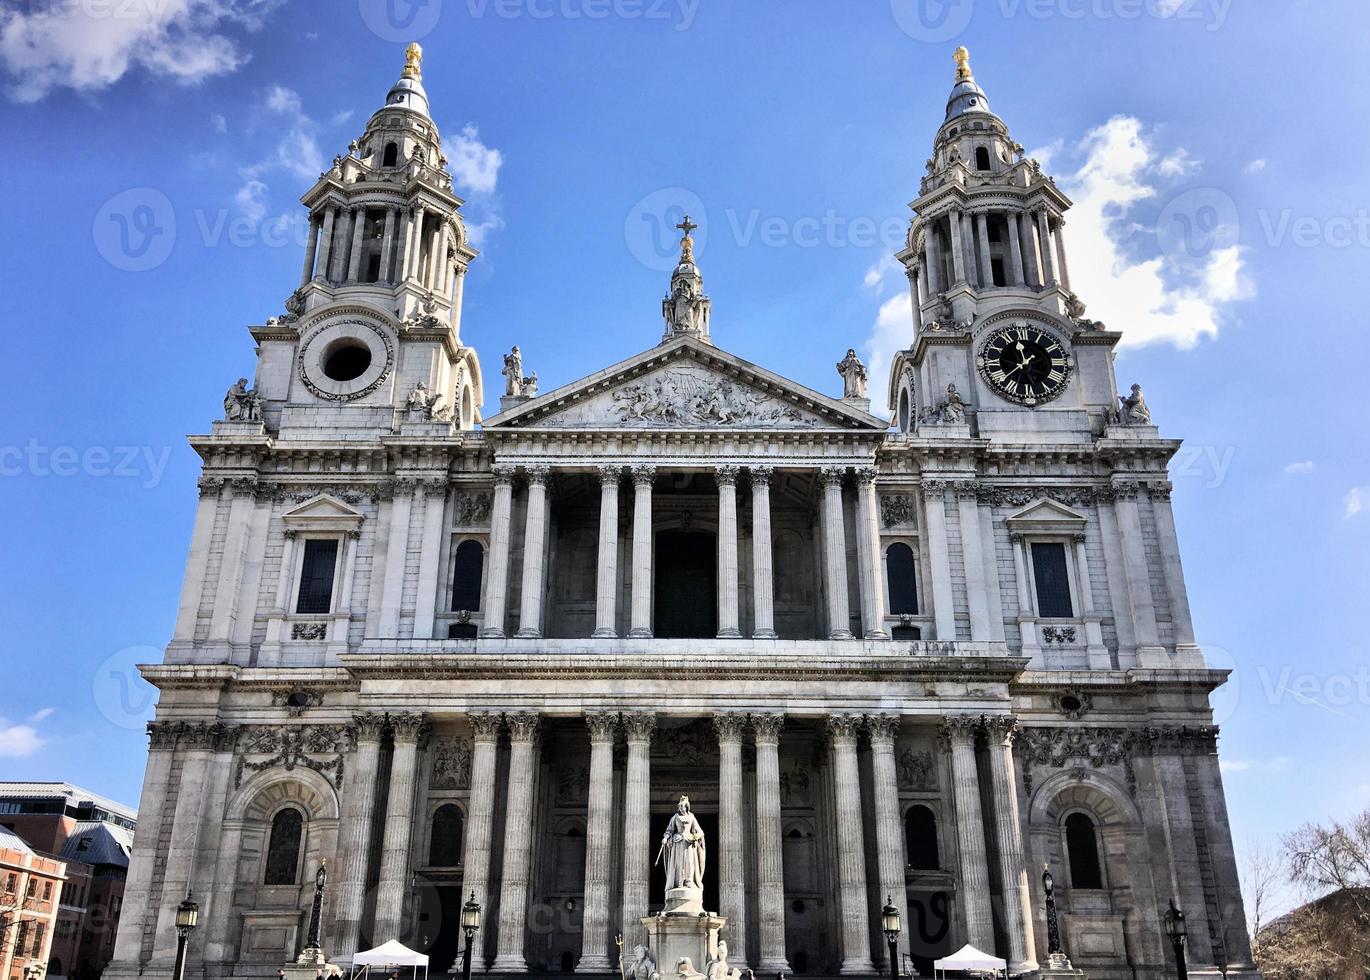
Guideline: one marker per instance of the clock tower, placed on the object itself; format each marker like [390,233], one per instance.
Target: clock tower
[1000,342]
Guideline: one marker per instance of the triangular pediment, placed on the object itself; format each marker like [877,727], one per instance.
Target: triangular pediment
[323,511]
[685,384]
[1045,513]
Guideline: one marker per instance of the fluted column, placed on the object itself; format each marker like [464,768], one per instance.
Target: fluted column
[330,217]
[402,246]
[637,831]
[534,553]
[497,580]
[959,733]
[1015,251]
[310,250]
[408,728]
[430,276]
[518,844]
[354,847]
[999,732]
[595,945]
[851,848]
[763,577]
[354,260]
[868,556]
[1061,267]
[413,245]
[726,477]
[475,861]
[835,553]
[641,624]
[1044,245]
[1032,273]
[440,266]
[387,246]
[770,878]
[338,267]
[982,235]
[958,250]
[732,871]
[606,581]
[889,826]
[930,261]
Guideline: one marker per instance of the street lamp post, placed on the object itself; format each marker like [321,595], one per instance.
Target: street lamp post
[1175,929]
[889,922]
[187,918]
[470,922]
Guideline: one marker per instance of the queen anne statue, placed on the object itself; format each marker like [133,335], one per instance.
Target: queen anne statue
[683,846]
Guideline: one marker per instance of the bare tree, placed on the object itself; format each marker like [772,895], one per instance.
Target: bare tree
[1265,884]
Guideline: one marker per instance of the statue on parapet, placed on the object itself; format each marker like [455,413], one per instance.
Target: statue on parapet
[242,404]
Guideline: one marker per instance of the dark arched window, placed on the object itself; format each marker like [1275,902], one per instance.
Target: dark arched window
[468,566]
[981,158]
[904,410]
[283,850]
[1082,847]
[920,839]
[444,843]
[391,156]
[900,569]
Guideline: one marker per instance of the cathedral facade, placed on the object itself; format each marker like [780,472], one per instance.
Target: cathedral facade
[921,658]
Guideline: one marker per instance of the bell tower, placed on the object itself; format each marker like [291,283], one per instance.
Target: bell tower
[1000,342]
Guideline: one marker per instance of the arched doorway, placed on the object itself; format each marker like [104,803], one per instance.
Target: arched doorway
[685,593]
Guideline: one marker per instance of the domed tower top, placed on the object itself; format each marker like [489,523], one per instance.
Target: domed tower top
[971,134]
[966,95]
[407,92]
[686,309]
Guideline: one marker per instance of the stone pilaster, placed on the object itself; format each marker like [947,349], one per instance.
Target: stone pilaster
[973,876]
[958,249]
[387,245]
[1168,544]
[196,741]
[355,843]
[1044,247]
[430,548]
[407,729]
[534,553]
[763,578]
[606,580]
[497,581]
[851,848]
[595,948]
[518,844]
[982,238]
[868,556]
[935,520]
[835,554]
[1027,616]
[1124,505]
[999,732]
[396,555]
[321,267]
[726,476]
[637,831]
[732,872]
[485,728]
[1015,252]
[770,879]
[354,255]
[641,624]
[889,825]
[972,553]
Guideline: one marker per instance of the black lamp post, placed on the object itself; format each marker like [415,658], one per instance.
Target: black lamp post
[889,922]
[1175,929]
[470,922]
[187,918]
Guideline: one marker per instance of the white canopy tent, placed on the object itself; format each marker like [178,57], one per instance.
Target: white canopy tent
[968,959]
[392,955]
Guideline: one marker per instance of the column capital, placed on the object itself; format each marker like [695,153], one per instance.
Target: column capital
[882,728]
[643,475]
[760,475]
[964,489]
[523,725]
[865,475]
[537,473]
[503,473]
[832,475]
[370,725]
[959,729]
[729,726]
[843,729]
[767,727]
[603,725]
[1078,538]
[639,726]
[408,726]
[1001,729]
[1159,489]
[485,725]
[936,487]
[726,475]
[610,476]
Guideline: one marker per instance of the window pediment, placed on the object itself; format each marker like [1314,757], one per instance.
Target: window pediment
[1046,516]
[323,514]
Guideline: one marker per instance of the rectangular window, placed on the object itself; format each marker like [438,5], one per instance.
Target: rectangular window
[47,891]
[38,939]
[10,883]
[316,576]
[1052,580]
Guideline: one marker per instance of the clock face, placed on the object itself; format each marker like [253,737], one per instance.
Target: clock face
[1024,363]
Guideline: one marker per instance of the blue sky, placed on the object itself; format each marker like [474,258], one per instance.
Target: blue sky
[1214,150]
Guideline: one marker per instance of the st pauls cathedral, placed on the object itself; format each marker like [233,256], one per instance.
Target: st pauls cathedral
[920,658]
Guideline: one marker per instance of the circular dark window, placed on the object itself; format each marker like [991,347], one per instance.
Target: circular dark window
[297,699]
[346,359]
[798,906]
[1070,703]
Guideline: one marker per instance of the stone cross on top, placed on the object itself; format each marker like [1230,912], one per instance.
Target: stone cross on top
[687,243]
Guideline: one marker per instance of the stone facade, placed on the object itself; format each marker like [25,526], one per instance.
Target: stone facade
[457,656]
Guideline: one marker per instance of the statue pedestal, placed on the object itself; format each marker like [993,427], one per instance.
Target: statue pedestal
[309,965]
[1057,967]
[676,937]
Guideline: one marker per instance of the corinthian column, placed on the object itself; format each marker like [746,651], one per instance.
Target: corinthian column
[868,556]
[642,553]
[518,841]
[606,582]
[763,581]
[959,732]
[497,582]
[355,845]
[399,812]
[637,802]
[770,879]
[835,553]
[889,830]
[999,732]
[727,551]
[732,877]
[851,847]
[475,862]
[534,548]
[594,954]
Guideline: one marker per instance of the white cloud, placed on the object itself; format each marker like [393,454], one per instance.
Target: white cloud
[1177,164]
[296,151]
[219,123]
[475,176]
[251,200]
[40,714]
[1354,502]
[876,275]
[893,332]
[89,47]
[17,741]
[1254,167]
[1279,763]
[1302,466]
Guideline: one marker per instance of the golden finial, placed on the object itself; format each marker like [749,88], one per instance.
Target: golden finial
[413,58]
[687,245]
[962,57]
